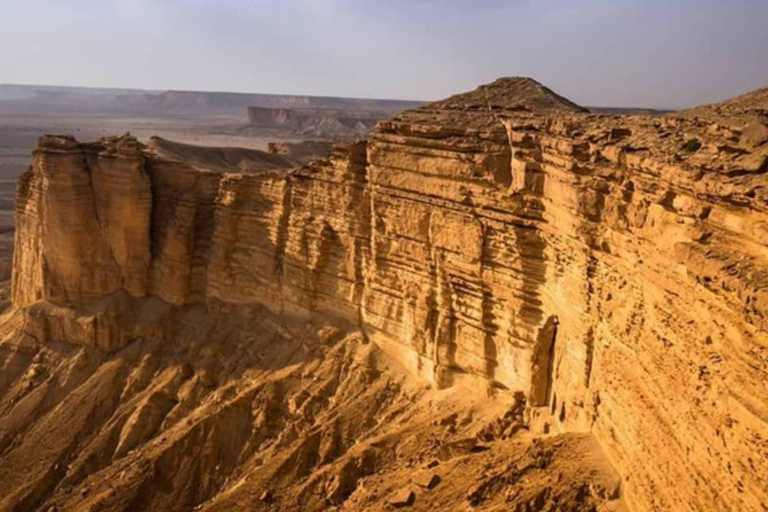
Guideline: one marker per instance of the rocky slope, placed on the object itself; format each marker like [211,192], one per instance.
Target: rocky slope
[606,274]
[315,123]
[230,408]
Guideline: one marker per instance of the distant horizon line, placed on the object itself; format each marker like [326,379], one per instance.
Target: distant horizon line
[326,96]
[243,93]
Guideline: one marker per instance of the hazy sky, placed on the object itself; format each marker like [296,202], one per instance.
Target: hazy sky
[657,53]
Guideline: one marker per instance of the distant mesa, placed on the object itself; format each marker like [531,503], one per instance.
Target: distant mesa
[83,99]
[316,123]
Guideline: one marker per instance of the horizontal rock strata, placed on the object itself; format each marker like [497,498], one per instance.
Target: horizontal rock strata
[612,268]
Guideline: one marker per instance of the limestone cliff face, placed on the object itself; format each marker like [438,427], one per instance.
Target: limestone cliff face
[614,269]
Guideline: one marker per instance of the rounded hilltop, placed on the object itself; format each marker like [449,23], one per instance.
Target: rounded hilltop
[509,94]
[753,103]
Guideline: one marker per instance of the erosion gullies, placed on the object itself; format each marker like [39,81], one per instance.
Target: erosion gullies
[612,270]
[226,408]
[316,123]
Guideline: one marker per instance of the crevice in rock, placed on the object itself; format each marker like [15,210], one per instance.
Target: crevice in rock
[282,235]
[103,223]
[543,363]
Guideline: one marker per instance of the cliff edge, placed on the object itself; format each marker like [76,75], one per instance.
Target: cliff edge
[610,270]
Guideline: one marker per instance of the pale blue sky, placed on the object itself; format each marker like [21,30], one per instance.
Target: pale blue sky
[656,53]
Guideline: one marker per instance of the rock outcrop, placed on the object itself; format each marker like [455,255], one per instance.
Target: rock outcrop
[303,151]
[315,123]
[614,269]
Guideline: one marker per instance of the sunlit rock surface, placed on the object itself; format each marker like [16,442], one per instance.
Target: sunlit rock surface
[613,269]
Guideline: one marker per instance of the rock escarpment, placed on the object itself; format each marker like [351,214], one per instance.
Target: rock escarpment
[613,269]
[83,214]
[315,123]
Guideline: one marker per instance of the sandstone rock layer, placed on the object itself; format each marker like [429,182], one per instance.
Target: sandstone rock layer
[614,269]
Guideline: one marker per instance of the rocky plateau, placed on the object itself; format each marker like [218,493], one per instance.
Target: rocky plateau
[498,301]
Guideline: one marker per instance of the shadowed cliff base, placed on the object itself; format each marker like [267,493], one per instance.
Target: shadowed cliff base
[219,408]
[499,300]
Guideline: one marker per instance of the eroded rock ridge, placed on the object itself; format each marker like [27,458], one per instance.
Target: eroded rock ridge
[614,269]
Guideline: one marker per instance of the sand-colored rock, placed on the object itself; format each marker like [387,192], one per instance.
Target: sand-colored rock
[503,240]
[316,123]
[82,221]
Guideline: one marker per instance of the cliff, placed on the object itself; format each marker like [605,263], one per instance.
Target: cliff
[613,269]
[315,123]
